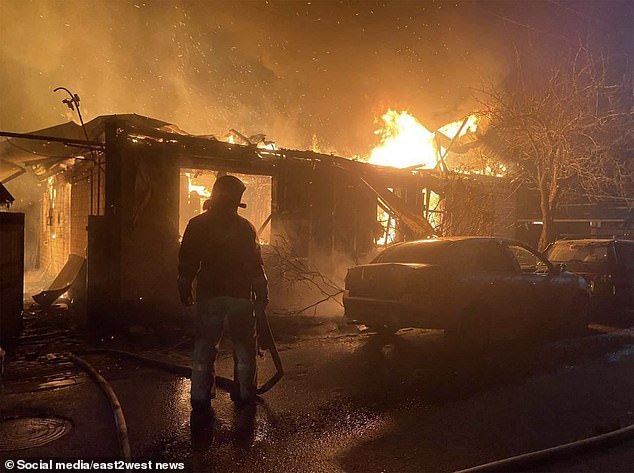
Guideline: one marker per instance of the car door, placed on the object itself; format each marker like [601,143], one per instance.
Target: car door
[496,269]
[537,288]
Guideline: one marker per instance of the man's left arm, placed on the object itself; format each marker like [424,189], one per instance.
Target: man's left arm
[188,264]
[259,282]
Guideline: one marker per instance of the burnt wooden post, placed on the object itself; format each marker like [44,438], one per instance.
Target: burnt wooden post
[11,274]
[104,238]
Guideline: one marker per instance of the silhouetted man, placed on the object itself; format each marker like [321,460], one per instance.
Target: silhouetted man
[220,249]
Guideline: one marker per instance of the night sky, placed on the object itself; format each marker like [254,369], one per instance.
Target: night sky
[291,70]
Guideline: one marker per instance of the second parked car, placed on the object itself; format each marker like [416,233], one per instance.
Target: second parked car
[607,265]
[473,287]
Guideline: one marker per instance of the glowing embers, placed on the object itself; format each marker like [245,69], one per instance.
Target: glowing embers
[405,142]
[195,189]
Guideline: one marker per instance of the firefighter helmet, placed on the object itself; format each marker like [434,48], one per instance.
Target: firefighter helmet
[228,190]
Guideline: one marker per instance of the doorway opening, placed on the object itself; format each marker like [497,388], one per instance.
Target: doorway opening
[195,189]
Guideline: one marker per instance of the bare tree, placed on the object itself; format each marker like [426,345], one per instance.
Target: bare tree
[566,132]
[294,271]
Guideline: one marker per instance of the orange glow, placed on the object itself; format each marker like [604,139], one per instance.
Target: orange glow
[203,191]
[405,142]
[388,224]
[450,129]
[262,144]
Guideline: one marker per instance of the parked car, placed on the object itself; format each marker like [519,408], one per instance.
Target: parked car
[472,287]
[607,265]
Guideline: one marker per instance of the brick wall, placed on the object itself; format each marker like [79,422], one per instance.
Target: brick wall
[79,210]
[68,199]
[55,235]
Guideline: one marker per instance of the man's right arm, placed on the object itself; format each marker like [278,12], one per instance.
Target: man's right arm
[260,284]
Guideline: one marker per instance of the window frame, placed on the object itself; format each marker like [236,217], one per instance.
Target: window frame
[484,251]
[550,267]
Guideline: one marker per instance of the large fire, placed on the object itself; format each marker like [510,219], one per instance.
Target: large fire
[405,142]
[202,191]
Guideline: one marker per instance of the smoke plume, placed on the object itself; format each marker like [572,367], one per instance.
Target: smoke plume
[292,70]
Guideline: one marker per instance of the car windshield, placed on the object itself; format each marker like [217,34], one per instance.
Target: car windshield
[586,252]
[423,252]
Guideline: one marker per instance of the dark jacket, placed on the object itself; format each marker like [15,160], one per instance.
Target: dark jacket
[220,248]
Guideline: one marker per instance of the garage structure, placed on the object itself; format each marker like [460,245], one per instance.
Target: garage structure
[122,197]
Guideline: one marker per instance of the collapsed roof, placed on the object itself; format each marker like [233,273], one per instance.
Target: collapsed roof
[50,150]
[68,141]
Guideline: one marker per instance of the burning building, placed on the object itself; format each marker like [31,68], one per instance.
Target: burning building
[121,192]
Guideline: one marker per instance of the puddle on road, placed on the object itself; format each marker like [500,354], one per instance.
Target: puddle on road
[314,437]
[627,352]
[48,383]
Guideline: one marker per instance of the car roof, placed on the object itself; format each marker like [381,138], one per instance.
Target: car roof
[596,240]
[453,239]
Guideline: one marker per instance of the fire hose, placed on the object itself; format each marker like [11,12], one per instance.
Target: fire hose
[265,342]
[521,462]
[117,411]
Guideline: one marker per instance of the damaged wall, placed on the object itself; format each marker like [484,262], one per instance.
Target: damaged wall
[143,201]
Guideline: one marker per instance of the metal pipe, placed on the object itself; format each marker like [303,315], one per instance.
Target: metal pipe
[68,141]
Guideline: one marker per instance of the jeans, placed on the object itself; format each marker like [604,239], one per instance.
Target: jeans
[211,316]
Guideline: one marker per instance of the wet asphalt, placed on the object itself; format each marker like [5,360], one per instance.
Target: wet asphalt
[353,402]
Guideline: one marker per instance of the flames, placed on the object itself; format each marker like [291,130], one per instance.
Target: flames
[202,191]
[405,142]
[450,129]
[259,141]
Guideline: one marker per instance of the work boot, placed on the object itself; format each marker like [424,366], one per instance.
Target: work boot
[250,400]
[201,417]
[200,407]
[201,425]
[202,414]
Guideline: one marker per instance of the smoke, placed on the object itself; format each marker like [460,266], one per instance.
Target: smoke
[292,70]
[27,191]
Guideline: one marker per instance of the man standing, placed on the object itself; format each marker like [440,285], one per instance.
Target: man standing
[220,249]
